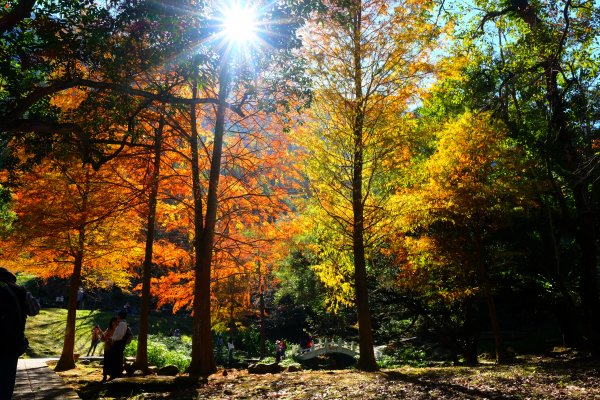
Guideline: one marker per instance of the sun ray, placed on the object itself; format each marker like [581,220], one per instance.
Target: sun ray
[240,23]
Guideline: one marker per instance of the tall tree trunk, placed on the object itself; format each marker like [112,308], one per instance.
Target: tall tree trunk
[586,235]
[67,360]
[366,360]
[141,360]
[569,158]
[203,359]
[589,280]
[263,336]
[261,306]
[566,311]
[470,332]
[489,299]
[196,362]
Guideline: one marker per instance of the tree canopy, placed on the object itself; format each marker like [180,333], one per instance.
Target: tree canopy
[432,164]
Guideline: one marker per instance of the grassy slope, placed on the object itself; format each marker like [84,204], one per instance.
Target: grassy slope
[46,330]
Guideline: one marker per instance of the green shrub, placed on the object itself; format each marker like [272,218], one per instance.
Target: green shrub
[387,361]
[405,355]
[249,340]
[165,350]
[286,362]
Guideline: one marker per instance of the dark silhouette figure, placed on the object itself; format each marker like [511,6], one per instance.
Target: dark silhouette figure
[16,303]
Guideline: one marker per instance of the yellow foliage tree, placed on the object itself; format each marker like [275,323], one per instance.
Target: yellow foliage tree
[473,181]
[368,60]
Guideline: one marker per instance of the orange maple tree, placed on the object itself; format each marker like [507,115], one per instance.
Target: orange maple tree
[77,223]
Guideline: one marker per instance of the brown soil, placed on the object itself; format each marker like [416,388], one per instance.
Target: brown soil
[547,378]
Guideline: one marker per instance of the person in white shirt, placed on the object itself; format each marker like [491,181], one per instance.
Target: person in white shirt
[121,329]
[117,347]
[230,348]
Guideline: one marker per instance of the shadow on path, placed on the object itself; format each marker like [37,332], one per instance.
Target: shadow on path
[431,382]
[36,381]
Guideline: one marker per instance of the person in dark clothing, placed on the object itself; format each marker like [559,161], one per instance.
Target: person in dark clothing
[107,365]
[277,351]
[118,341]
[80,298]
[16,303]
[283,347]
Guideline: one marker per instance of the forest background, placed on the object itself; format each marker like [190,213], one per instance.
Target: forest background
[380,170]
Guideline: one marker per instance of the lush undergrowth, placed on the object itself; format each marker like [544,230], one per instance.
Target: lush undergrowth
[165,350]
[46,332]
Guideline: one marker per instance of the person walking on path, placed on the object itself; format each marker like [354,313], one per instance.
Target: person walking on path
[277,351]
[283,348]
[230,348]
[80,298]
[96,336]
[16,303]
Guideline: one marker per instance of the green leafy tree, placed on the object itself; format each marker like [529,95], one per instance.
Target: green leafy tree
[367,58]
[537,69]
[86,48]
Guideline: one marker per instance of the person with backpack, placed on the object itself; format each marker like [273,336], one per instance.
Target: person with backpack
[16,303]
[120,338]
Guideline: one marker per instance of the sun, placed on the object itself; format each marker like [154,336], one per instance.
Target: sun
[239,23]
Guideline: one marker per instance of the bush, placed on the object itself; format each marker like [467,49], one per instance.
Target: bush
[286,362]
[249,341]
[405,355]
[165,350]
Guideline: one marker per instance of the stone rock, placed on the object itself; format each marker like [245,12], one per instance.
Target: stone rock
[294,368]
[168,370]
[265,368]
[129,369]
